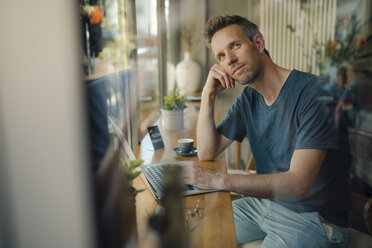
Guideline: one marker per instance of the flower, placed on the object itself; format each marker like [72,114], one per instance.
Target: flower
[92,12]
[358,42]
[341,50]
[335,46]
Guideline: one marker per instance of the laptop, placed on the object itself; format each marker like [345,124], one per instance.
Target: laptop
[153,176]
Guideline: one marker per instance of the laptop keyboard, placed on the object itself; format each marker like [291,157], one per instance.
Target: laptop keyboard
[155,173]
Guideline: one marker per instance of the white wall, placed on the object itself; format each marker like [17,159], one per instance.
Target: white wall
[42,144]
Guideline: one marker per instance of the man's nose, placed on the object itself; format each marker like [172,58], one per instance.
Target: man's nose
[231,58]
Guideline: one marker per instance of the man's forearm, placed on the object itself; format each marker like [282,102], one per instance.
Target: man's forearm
[207,136]
[296,182]
[279,185]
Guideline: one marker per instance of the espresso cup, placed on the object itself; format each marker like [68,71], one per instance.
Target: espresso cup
[186,145]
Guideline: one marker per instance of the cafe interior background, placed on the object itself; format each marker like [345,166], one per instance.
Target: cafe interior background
[64,60]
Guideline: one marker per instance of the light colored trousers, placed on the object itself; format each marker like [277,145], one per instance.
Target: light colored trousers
[281,227]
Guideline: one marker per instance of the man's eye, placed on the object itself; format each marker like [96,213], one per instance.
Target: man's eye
[221,57]
[236,45]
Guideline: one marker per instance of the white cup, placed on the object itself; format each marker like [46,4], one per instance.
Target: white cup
[186,145]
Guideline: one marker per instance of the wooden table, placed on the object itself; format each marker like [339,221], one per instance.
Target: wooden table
[216,228]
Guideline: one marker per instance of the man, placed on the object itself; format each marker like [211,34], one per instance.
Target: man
[300,194]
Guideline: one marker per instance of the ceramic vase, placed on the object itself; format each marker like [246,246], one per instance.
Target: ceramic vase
[188,74]
[171,78]
[172,119]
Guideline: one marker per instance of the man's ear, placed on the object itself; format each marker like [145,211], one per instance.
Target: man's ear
[260,43]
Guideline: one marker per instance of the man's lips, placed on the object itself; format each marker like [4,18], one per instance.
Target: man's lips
[237,68]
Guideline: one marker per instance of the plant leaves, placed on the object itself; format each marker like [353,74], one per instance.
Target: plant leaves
[175,102]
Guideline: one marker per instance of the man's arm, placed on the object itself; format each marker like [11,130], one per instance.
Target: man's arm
[296,182]
[209,142]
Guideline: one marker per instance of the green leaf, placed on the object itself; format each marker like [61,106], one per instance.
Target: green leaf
[135,163]
[174,102]
[136,174]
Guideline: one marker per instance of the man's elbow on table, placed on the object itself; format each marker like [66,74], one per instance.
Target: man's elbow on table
[205,153]
[208,150]
[205,156]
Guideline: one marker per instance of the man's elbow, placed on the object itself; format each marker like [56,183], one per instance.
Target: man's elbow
[205,156]
[300,191]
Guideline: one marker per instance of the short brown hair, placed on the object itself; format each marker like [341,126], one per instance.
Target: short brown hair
[216,23]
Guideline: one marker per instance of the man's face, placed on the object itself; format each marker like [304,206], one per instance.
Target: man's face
[237,55]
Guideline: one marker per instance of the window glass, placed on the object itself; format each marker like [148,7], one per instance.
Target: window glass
[108,58]
[332,39]
[147,37]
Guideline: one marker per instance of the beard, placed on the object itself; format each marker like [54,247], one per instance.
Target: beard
[252,70]
[248,77]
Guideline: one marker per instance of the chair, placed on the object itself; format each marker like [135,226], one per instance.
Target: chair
[250,164]
[360,146]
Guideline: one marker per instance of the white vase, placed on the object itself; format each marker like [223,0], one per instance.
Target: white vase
[171,78]
[188,74]
[172,119]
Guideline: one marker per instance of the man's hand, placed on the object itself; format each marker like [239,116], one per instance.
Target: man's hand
[218,80]
[203,178]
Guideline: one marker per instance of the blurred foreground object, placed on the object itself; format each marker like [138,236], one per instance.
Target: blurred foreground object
[169,223]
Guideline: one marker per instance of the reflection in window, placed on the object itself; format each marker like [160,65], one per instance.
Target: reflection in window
[332,39]
[108,58]
[147,58]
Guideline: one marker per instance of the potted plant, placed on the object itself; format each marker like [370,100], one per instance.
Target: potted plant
[130,172]
[172,112]
[127,209]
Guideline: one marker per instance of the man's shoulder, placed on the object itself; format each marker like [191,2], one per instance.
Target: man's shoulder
[306,77]
[311,82]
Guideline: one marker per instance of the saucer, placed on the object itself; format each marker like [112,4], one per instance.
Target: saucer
[192,153]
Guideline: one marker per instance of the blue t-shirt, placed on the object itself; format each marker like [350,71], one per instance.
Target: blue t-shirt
[302,117]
